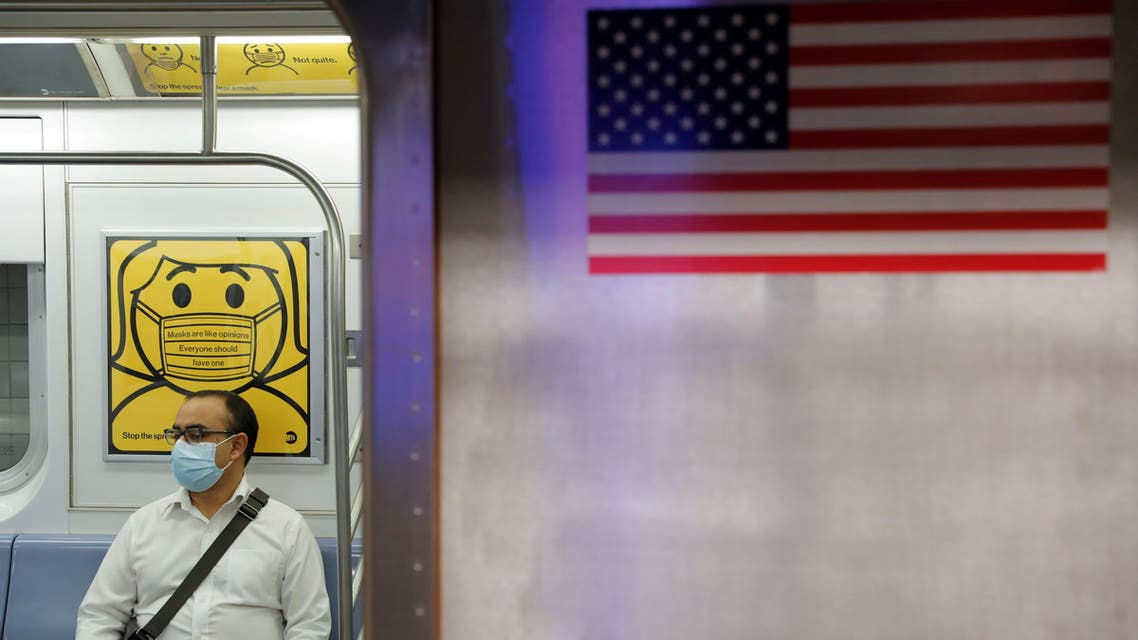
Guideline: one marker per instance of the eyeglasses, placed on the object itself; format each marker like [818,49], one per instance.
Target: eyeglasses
[193,434]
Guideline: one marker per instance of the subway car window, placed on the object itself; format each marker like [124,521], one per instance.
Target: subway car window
[15,414]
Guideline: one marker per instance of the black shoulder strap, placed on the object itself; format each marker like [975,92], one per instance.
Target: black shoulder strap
[245,514]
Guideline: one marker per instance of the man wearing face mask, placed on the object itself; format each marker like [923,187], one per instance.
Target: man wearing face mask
[269,585]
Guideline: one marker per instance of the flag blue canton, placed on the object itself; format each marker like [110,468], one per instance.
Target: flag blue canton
[712,79]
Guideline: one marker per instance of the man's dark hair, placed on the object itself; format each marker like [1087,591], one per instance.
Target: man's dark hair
[241,416]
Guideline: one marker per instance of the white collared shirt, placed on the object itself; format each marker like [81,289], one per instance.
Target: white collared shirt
[269,585]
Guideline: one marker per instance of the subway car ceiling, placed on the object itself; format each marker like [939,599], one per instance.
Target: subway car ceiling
[131,50]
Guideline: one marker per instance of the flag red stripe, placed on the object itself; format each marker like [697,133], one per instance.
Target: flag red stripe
[950,52]
[823,222]
[1094,91]
[949,137]
[849,263]
[906,11]
[848,180]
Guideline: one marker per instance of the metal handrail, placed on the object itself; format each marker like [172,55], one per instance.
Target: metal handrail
[357,509]
[357,581]
[354,439]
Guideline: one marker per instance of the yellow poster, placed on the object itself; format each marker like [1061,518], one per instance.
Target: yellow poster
[187,314]
[255,68]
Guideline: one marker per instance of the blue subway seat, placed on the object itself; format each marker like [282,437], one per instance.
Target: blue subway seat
[328,553]
[49,575]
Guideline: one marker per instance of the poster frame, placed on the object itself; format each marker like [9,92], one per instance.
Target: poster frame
[317,336]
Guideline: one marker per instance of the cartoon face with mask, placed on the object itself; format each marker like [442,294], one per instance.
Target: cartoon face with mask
[209,325]
[265,55]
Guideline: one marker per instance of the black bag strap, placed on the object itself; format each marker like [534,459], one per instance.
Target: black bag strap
[245,514]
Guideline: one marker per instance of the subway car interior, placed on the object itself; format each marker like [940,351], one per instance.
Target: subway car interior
[589,319]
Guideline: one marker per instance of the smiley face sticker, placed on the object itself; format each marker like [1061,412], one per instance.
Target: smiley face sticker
[193,314]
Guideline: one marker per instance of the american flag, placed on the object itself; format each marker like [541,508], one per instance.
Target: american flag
[850,137]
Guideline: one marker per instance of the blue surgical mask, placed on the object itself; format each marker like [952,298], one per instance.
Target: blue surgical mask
[194,466]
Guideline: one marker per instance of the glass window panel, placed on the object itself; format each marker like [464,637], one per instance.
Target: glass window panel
[14,406]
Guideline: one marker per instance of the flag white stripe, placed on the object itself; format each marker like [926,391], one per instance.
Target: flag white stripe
[849,160]
[808,118]
[849,201]
[914,75]
[932,31]
[781,244]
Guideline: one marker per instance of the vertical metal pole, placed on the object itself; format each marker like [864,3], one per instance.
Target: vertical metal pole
[341,436]
[209,93]
[393,40]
